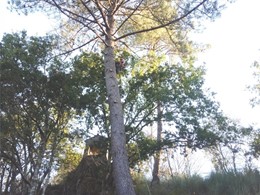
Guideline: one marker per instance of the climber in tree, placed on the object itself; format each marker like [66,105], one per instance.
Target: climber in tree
[120,65]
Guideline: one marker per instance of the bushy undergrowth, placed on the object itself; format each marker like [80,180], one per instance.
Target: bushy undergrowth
[242,183]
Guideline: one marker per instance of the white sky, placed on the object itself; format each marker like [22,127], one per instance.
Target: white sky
[235,44]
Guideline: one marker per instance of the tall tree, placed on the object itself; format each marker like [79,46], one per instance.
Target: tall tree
[156,179]
[104,20]
[34,111]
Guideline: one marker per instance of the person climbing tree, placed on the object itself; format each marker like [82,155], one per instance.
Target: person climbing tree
[120,65]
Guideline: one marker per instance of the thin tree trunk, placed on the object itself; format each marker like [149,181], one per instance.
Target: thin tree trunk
[234,161]
[156,178]
[46,182]
[169,164]
[46,177]
[35,180]
[121,172]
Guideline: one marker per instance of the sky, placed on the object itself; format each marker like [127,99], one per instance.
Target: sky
[235,45]
[234,41]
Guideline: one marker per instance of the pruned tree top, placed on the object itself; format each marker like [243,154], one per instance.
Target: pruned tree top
[132,17]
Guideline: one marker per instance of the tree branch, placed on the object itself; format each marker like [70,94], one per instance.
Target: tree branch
[94,17]
[120,26]
[101,12]
[74,49]
[66,14]
[118,5]
[162,25]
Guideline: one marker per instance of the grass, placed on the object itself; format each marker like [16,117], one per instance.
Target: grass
[242,183]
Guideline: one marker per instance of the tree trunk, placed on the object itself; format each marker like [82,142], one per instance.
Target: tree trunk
[46,177]
[121,172]
[156,179]
[35,180]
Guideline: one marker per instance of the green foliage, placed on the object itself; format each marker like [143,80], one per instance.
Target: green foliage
[255,146]
[67,163]
[179,87]
[35,109]
[88,75]
[141,150]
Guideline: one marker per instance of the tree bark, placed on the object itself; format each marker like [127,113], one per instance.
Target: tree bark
[121,172]
[35,180]
[156,178]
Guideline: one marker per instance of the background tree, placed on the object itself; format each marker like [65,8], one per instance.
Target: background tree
[255,101]
[231,151]
[255,145]
[35,111]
